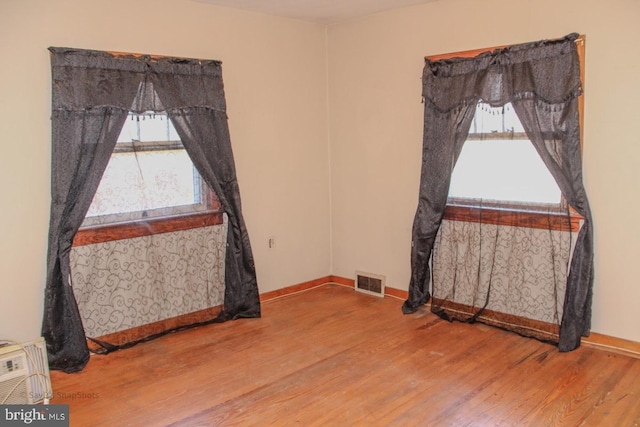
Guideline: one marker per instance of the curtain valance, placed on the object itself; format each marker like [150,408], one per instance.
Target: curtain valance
[548,71]
[106,77]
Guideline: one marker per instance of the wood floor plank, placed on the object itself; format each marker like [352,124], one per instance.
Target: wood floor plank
[333,356]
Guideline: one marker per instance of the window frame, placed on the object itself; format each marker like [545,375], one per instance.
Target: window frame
[100,233]
[515,214]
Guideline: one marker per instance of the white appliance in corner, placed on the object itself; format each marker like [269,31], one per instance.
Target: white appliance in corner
[24,373]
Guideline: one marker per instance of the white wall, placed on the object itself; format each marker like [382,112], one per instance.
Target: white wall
[375,117]
[275,80]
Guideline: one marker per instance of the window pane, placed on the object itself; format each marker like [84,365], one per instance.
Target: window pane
[146,180]
[148,127]
[498,162]
[492,120]
[173,135]
[503,170]
[130,131]
[154,128]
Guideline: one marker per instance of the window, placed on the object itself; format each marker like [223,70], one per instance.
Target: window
[499,166]
[499,177]
[149,180]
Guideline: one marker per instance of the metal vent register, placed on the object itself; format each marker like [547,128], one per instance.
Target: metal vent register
[370,283]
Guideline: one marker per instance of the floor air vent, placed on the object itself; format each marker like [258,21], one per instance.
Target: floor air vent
[369,283]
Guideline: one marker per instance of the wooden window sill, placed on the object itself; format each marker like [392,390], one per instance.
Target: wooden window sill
[107,233]
[515,218]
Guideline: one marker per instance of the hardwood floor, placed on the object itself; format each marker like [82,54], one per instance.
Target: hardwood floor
[333,356]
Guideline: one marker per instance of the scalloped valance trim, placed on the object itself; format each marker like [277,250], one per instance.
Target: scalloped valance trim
[547,70]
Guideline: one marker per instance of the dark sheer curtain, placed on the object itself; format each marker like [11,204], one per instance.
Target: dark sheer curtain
[193,96]
[542,81]
[92,94]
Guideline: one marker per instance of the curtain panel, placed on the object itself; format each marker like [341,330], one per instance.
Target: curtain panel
[92,94]
[506,276]
[129,283]
[542,81]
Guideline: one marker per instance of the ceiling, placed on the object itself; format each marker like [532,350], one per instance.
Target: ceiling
[320,11]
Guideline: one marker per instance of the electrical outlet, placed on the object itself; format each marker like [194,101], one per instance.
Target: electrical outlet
[272,242]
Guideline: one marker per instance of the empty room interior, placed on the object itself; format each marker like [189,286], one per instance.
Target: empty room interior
[414,212]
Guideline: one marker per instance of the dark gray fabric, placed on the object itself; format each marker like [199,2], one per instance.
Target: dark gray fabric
[92,95]
[555,132]
[204,133]
[542,81]
[438,160]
